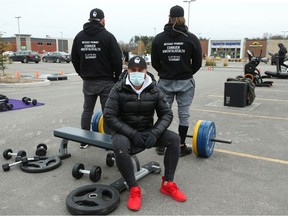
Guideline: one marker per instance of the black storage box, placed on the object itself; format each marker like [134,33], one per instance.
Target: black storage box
[235,94]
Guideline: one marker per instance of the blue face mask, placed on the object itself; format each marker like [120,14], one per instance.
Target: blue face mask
[137,78]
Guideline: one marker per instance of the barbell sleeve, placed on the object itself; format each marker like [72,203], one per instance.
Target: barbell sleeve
[215,140]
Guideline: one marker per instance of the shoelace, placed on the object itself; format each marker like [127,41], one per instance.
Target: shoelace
[135,194]
[172,188]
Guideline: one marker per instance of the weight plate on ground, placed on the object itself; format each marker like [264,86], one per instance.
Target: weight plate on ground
[93,199]
[205,146]
[43,164]
[95,173]
[194,139]
[95,121]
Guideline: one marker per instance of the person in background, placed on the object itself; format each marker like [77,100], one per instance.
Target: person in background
[176,56]
[97,58]
[129,113]
[282,54]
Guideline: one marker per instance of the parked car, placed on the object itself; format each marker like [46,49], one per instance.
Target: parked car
[8,53]
[56,57]
[25,56]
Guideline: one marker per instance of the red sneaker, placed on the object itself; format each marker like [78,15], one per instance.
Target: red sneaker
[134,200]
[173,191]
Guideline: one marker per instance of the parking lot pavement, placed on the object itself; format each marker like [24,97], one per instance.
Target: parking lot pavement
[248,177]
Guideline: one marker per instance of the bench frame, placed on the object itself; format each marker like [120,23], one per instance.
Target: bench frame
[101,141]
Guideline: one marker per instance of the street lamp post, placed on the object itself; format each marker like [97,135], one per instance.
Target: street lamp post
[284,32]
[18,17]
[154,32]
[61,41]
[188,1]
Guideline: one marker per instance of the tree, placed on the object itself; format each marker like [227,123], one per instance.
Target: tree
[3,59]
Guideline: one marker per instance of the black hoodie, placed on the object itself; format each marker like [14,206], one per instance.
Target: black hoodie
[96,53]
[176,53]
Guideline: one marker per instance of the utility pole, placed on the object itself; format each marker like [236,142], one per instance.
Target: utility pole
[188,1]
[19,38]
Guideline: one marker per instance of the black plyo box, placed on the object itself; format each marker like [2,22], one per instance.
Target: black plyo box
[235,94]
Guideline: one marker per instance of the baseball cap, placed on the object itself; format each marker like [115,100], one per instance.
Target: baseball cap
[137,61]
[96,14]
[176,11]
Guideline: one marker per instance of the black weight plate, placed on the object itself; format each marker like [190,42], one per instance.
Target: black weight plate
[42,164]
[93,199]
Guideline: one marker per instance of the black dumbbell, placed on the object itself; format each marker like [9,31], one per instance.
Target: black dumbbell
[23,160]
[8,153]
[94,173]
[35,158]
[5,106]
[27,101]
[4,99]
[41,149]
[110,159]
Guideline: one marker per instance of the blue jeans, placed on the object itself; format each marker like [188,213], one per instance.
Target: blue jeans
[123,149]
[183,91]
[91,90]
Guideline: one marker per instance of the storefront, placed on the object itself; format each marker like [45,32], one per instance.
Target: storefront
[226,48]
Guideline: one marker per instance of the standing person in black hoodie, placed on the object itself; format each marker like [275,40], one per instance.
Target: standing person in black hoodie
[176,56]
[281,53]
[96,57]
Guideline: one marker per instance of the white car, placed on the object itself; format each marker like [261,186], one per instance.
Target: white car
[8,53]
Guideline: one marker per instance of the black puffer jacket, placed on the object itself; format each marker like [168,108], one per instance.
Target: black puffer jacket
[126,112]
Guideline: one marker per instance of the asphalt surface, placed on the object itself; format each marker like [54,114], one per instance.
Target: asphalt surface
[248,177]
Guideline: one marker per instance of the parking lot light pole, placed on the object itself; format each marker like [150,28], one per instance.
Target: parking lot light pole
[188,1]
[18,17]
[61,41]
[284,32]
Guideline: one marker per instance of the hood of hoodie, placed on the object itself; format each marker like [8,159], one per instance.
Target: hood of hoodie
[178,30]
[93,28]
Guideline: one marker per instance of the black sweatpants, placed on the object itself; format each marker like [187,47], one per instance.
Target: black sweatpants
[123,149]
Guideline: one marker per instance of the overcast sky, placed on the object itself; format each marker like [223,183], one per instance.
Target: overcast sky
[215,19]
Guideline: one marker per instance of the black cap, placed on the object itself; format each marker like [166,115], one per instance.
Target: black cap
[176,11]
[96,14]
[137,61]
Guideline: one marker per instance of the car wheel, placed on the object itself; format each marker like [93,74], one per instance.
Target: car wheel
[68,61]
[25,60]
[36,62]
[44,59]
[58,60]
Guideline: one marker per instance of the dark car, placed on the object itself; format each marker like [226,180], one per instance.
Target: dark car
[56,57]
[26,56]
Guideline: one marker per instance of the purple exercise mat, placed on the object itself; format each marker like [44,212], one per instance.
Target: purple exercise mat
[18,104]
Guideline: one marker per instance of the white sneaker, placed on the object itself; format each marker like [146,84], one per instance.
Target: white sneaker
[83,146]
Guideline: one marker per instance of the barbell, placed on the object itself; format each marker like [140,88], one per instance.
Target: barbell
[203,138]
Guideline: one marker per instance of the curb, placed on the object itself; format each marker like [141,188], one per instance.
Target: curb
[21,85]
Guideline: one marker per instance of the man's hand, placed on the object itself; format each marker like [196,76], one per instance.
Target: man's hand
[138,140]
[150,139]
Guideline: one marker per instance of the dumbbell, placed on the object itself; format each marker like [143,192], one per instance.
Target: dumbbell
[4,99]
[94,173]
[110,159]
[41,149]
[8,153]
[23,160]
[35,158]
[27,101]
[5,106]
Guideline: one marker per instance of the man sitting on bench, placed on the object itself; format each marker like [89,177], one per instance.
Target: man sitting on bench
[129,113]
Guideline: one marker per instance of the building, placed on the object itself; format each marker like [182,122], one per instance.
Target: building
[40,45]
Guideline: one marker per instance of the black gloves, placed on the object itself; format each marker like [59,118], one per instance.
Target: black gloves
[150,139]
[138,140]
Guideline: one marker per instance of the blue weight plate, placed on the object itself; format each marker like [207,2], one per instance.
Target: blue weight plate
[95,121]
[208,133]
[200,143]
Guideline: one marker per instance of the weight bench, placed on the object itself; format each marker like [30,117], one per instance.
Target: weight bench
[101,141]
[81,136]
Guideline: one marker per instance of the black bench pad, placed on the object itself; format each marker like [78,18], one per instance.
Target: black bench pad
[83,136]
